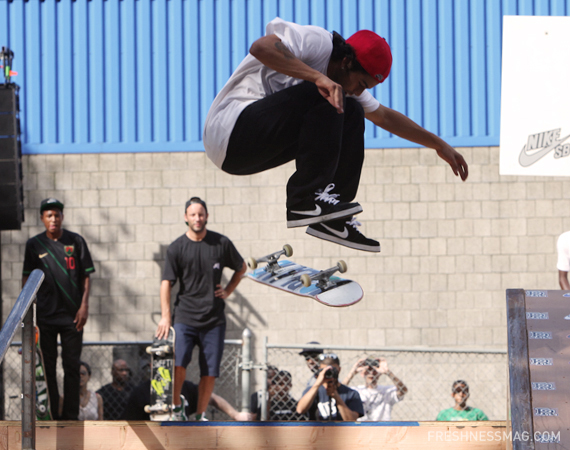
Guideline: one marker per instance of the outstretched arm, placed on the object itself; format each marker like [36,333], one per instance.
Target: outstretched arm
[271,52]
[402,126]
[223,405]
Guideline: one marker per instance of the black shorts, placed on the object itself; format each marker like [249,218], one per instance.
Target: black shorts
[210,344]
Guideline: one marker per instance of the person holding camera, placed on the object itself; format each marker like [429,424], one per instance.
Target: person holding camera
[328,399]
[377,400]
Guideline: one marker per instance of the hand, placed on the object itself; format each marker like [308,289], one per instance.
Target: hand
[332,92]
[220,292]
[163,328]
[359,366]
[81,318]
[321,376]
[454,159]
[382,366]
[244,416]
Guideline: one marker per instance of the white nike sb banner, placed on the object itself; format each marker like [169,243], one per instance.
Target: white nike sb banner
[535,97]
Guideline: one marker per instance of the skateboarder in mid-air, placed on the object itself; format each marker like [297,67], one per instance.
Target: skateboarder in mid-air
[301,94]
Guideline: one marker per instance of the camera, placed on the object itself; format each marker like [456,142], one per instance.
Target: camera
[371,362]
[331,373]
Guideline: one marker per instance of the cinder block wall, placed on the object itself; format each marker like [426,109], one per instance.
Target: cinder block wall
[449,249]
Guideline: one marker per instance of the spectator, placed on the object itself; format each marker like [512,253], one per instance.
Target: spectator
[140,397]
[328,399]
[62,301]
[116,393]
[461,412]
[196,259]
[281,406]
[377,400]
[563,264]
[311,356]
[90,403]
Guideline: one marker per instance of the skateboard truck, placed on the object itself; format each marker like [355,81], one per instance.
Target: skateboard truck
[159,351]
[271,259]
[323,277]
[164,408]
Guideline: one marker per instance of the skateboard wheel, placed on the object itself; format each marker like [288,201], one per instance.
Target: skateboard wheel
[147,409]
[149,350]
[306,280]
[252,263]
[288,250]
[42,408]
[167,349]
[165,408]
[342,266]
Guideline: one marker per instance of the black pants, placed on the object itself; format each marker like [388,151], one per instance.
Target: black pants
[299,123]
[71,345]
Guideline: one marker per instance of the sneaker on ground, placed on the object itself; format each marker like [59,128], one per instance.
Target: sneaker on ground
[179,412]
[324,207]
[344,232]
[201,417]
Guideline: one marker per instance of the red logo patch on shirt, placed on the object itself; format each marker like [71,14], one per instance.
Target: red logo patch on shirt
[69,249]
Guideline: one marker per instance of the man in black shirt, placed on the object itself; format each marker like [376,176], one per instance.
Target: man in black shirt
[62,301]
[196,260]
[116,393]
[327,398]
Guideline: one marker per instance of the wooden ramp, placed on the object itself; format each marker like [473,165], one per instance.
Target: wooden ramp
[122,435]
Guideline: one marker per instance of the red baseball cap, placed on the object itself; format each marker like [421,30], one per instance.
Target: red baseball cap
[373,53]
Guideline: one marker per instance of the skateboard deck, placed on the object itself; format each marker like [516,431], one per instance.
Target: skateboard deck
[43,407]
[161,377]
[305,281]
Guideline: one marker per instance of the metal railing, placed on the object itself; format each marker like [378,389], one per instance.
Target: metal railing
[22,312]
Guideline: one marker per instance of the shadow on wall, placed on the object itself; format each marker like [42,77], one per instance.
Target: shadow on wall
[239,311]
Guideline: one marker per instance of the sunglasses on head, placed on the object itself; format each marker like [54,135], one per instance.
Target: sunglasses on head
[324,356]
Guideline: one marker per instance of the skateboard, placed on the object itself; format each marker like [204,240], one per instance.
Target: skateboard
[161,377]
[43,406]
[320,285]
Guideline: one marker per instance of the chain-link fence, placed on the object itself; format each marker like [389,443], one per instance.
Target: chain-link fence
[428,376]
[100,357]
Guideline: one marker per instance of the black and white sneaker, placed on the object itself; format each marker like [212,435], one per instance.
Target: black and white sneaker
[324,207]
[344,232]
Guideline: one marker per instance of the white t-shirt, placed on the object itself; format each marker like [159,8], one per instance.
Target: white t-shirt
[253,81]
[563,246]
[377,402]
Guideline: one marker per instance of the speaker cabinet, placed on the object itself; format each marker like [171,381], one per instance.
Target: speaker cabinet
[11,186]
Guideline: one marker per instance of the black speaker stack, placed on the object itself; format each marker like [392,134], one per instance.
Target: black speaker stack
[11,186]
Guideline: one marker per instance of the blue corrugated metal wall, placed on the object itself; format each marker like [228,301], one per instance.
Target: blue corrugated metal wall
[139,75]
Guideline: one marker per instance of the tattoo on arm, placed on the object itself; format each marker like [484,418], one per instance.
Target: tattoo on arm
[284,50]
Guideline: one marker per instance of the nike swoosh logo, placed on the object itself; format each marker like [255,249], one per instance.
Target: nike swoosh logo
[526,160]
[340,234]
[43,255]
[315,212]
